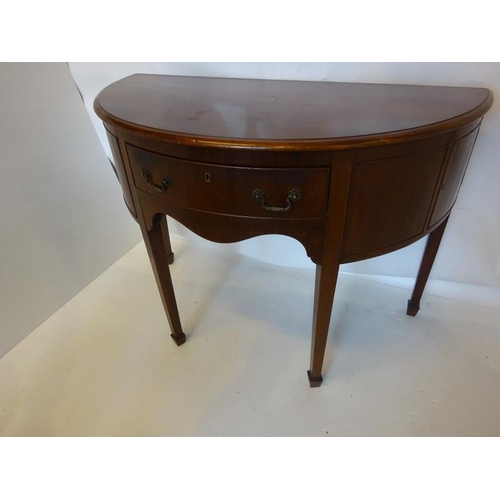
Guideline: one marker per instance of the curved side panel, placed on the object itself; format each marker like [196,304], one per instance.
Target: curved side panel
[389,202]
[453,177]
[230,229]
[120,173]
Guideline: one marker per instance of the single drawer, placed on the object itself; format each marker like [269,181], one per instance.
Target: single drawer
[253,192]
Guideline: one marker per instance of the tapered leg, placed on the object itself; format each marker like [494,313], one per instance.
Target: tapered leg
[327,269]
[430,253]
[158,255]
[166,239]
[326,280]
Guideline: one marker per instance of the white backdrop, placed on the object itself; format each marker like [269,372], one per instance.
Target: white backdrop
[56,185]
[470,252]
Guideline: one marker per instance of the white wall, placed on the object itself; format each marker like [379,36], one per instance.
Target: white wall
[62,220]
[470,252]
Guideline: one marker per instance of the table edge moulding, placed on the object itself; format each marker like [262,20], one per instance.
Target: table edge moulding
[350,170]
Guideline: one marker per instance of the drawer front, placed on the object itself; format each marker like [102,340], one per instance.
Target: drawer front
[252,192]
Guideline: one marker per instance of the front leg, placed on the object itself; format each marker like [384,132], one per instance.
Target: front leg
[327,269]
[326,281]
[159,257]
[431,249]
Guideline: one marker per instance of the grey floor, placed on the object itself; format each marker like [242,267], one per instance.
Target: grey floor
[104,364]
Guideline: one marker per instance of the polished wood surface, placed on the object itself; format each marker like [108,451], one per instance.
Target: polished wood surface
[224,189]
[233,112]
[351,171]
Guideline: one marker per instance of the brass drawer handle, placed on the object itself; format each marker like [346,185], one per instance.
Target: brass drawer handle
[166,182]
[293,195]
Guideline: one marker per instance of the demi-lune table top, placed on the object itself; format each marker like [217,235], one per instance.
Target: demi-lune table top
[229,112]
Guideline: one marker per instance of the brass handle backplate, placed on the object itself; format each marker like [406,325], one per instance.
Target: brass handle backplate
[166,182]
[293,195]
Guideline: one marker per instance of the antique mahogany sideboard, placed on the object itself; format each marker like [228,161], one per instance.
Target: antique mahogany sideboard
[350,170]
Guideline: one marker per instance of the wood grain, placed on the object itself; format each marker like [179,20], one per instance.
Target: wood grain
[274,114]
